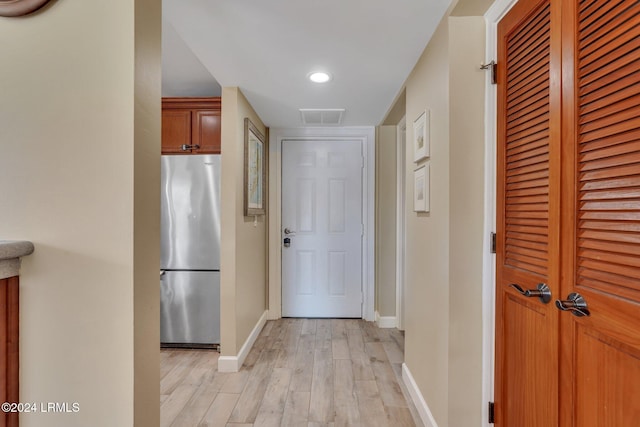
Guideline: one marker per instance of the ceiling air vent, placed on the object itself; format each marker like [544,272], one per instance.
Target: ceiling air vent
[314,116]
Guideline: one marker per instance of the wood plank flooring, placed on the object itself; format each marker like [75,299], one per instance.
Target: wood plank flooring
[300,373]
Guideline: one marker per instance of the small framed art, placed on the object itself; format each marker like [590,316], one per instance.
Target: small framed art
[421,189]
[254,170]
[421,133]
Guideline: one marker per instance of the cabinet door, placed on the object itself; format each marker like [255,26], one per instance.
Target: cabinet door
[176,131]
[206,131]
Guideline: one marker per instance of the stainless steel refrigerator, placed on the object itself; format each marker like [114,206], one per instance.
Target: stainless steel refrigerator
[190,251]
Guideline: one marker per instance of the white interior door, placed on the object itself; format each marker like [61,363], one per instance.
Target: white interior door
[322,217]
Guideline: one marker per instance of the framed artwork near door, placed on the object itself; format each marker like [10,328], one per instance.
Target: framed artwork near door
[421,134]
[254,170]
[421,189]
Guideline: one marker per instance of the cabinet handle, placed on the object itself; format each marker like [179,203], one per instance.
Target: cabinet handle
[186,147]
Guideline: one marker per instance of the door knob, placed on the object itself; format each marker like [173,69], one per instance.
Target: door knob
[287,231]
[575,304]
[543,292]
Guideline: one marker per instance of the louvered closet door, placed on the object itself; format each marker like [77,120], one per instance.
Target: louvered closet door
[528,216]
[601,237]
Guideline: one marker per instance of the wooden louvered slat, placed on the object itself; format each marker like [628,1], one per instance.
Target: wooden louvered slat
[533,102]
[607,35]
[528,151]
[525,62]
[609,132]
[608,231]
[590,143]
[611,226]
[591,11]
[618,262]
[621,159]
[609,56]
[633,181]
[616,92]
[526,144]
[600,245]
[542,247]
[612,14]
[628,170]
[520,35]
[529,86]
[544,173]
[614,274]
[526,192]
[617,194]
[623,110]
[608,216]
[613,151]
[615,71]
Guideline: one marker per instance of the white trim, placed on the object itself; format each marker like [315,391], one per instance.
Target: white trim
[367,136]
[418,400]
[386,322]
[400,220]
[234,363]
[495,13]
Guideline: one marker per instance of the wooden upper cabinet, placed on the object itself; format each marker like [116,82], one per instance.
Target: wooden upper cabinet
[176,131]
[206,131]
[191,125]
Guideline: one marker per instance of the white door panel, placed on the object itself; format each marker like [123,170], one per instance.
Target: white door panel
[322,207]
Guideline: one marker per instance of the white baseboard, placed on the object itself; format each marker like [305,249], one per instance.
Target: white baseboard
[423,410]
[234,363]
[386,321]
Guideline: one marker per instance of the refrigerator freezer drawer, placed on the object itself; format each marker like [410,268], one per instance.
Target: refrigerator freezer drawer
[190,308]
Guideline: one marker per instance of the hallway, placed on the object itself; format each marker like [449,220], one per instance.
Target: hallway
[300,372]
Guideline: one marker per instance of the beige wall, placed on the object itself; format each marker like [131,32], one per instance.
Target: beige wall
[244,244]
[443,284]
[386,220]
[427,239]
[467,89]
[79,167]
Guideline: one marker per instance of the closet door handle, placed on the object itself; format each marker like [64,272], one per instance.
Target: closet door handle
[542,292]
[575,304]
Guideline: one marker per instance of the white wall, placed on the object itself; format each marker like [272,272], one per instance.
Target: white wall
[79,174]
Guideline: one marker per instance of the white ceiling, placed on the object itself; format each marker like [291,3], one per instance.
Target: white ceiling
[267,48]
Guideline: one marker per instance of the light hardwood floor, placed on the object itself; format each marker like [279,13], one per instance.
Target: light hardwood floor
[300,372]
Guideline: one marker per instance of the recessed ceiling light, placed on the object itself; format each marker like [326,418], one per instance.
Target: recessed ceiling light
[319,77]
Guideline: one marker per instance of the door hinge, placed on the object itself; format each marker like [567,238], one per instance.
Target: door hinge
[492,414]
[492,243]
[493,68]
[361,229]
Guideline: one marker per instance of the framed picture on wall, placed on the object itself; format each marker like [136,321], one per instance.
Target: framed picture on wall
[254,170]
[421,189]
[421,133]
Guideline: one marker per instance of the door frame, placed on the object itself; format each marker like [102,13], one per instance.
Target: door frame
[401,152]
[493,15]
[366,136]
